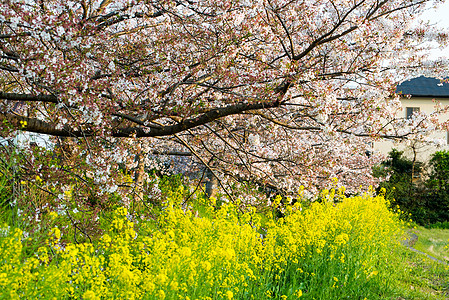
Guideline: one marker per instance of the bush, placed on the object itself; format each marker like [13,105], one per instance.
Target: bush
[439,225]
[400,186]
[426,201]
[437,194]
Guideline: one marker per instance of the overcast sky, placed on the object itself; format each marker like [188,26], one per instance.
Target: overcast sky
[440,17]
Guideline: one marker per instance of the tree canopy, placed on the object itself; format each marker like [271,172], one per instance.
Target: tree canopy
[277,93]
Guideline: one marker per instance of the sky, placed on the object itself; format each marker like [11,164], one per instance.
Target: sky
[439,17]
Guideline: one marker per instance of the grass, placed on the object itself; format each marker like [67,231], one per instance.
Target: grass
[433,242]
[422,278]
[419,276]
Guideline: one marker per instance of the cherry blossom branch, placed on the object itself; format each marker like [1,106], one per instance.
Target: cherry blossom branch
[29,97]
[206,165]
[202,119]
[39,126]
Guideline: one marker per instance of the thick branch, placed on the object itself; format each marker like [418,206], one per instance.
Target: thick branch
[39,126]
[8,36]
[9,69]
[171,153]
[205,118]
[28,97]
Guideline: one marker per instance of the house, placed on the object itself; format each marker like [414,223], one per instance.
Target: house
[420,94]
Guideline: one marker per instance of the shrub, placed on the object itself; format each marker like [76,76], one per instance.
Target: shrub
[400,186]
[439,225]
[437,185]
[426,201]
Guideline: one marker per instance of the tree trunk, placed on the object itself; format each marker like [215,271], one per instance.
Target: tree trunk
[211,184]
[138,176]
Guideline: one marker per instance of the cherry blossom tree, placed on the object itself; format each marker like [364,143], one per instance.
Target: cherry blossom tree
[275,93]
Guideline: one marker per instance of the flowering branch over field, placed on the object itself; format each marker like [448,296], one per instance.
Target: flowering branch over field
[281,93]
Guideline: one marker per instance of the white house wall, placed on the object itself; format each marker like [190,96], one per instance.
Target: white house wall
[423,151]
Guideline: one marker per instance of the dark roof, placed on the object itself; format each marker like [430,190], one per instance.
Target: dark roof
[424,87]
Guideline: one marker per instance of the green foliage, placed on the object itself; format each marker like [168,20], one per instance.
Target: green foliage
[439,225]
[400,165]
[437,193]
[427,201]
[401,188]
[10,183]
[5,186]
[439,176]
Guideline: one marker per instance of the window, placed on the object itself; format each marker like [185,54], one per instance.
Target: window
[410,111]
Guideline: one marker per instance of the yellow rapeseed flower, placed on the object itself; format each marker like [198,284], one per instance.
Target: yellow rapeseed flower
[186,251]
[56,233]
[90,295]
[53,215]
[174,285]
[298,293]
[38,179]
[161,278]
[106,239]
[341,239]
[206,265]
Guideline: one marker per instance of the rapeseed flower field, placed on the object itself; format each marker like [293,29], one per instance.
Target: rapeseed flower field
[337,248]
